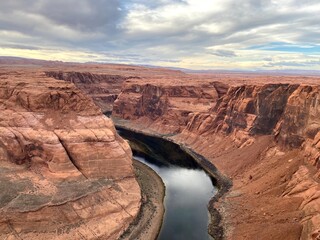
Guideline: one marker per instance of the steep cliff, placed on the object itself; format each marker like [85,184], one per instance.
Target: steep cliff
[265,137]
[300,124]
[102,88]
[65,172]
[166,106]
[102,82]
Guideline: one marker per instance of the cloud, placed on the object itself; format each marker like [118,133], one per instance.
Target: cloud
[84,15]
[224,53]
[17,46]
[268,59]
[176,32]
[77,24]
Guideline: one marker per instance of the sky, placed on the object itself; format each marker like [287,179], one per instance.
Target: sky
[195,34]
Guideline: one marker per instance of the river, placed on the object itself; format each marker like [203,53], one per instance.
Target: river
[188,187]
[188,192]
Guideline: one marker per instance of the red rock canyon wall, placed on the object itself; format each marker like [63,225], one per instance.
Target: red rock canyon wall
[263,136]
[65,172]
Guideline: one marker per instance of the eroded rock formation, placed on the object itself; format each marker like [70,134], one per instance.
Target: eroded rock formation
[102,88]
[102,82]
[265,137]
[65,172]
[167,107]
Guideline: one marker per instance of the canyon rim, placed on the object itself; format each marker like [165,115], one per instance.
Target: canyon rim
[66,173]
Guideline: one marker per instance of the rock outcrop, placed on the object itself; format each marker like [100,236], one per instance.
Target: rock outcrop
[65,172]
[102,88]
[166,106]
[102,82]
[265,137]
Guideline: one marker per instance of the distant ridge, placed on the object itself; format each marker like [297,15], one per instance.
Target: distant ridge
[270,72]
[260,72]
[4,60]
[8,60]
[284,72]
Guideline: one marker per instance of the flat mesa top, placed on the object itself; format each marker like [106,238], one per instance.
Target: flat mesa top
[152,75]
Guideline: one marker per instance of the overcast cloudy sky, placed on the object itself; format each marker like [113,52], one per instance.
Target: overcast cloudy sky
[197,34]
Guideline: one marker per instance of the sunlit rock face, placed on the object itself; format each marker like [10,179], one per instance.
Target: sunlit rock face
[288,111]
[65,172]
[263,133]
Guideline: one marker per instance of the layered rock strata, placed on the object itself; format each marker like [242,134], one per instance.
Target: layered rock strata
[102,82]
[167,107]
[264,137]
[102,88]
[65,172]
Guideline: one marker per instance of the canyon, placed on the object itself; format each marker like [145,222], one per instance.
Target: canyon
[264,136]
[63,163]
[65,172]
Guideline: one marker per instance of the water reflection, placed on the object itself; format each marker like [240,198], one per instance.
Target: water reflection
[188,192]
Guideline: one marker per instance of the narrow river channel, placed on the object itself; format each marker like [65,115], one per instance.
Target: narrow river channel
[188,188]
[188,192]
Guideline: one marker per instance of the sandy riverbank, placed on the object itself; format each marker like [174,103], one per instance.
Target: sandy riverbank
[148,223]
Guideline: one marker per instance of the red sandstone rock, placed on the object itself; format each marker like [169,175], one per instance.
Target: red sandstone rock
[64,171]
[103,88]
[280,200]
[261,131]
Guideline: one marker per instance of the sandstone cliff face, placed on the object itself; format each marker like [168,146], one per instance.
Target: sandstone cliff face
[65,172]
[167,107]
[245,111]
[288,111]
[264,136]
[300,125]
[102,88]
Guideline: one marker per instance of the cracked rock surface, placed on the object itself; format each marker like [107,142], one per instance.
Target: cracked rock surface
[64,171]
